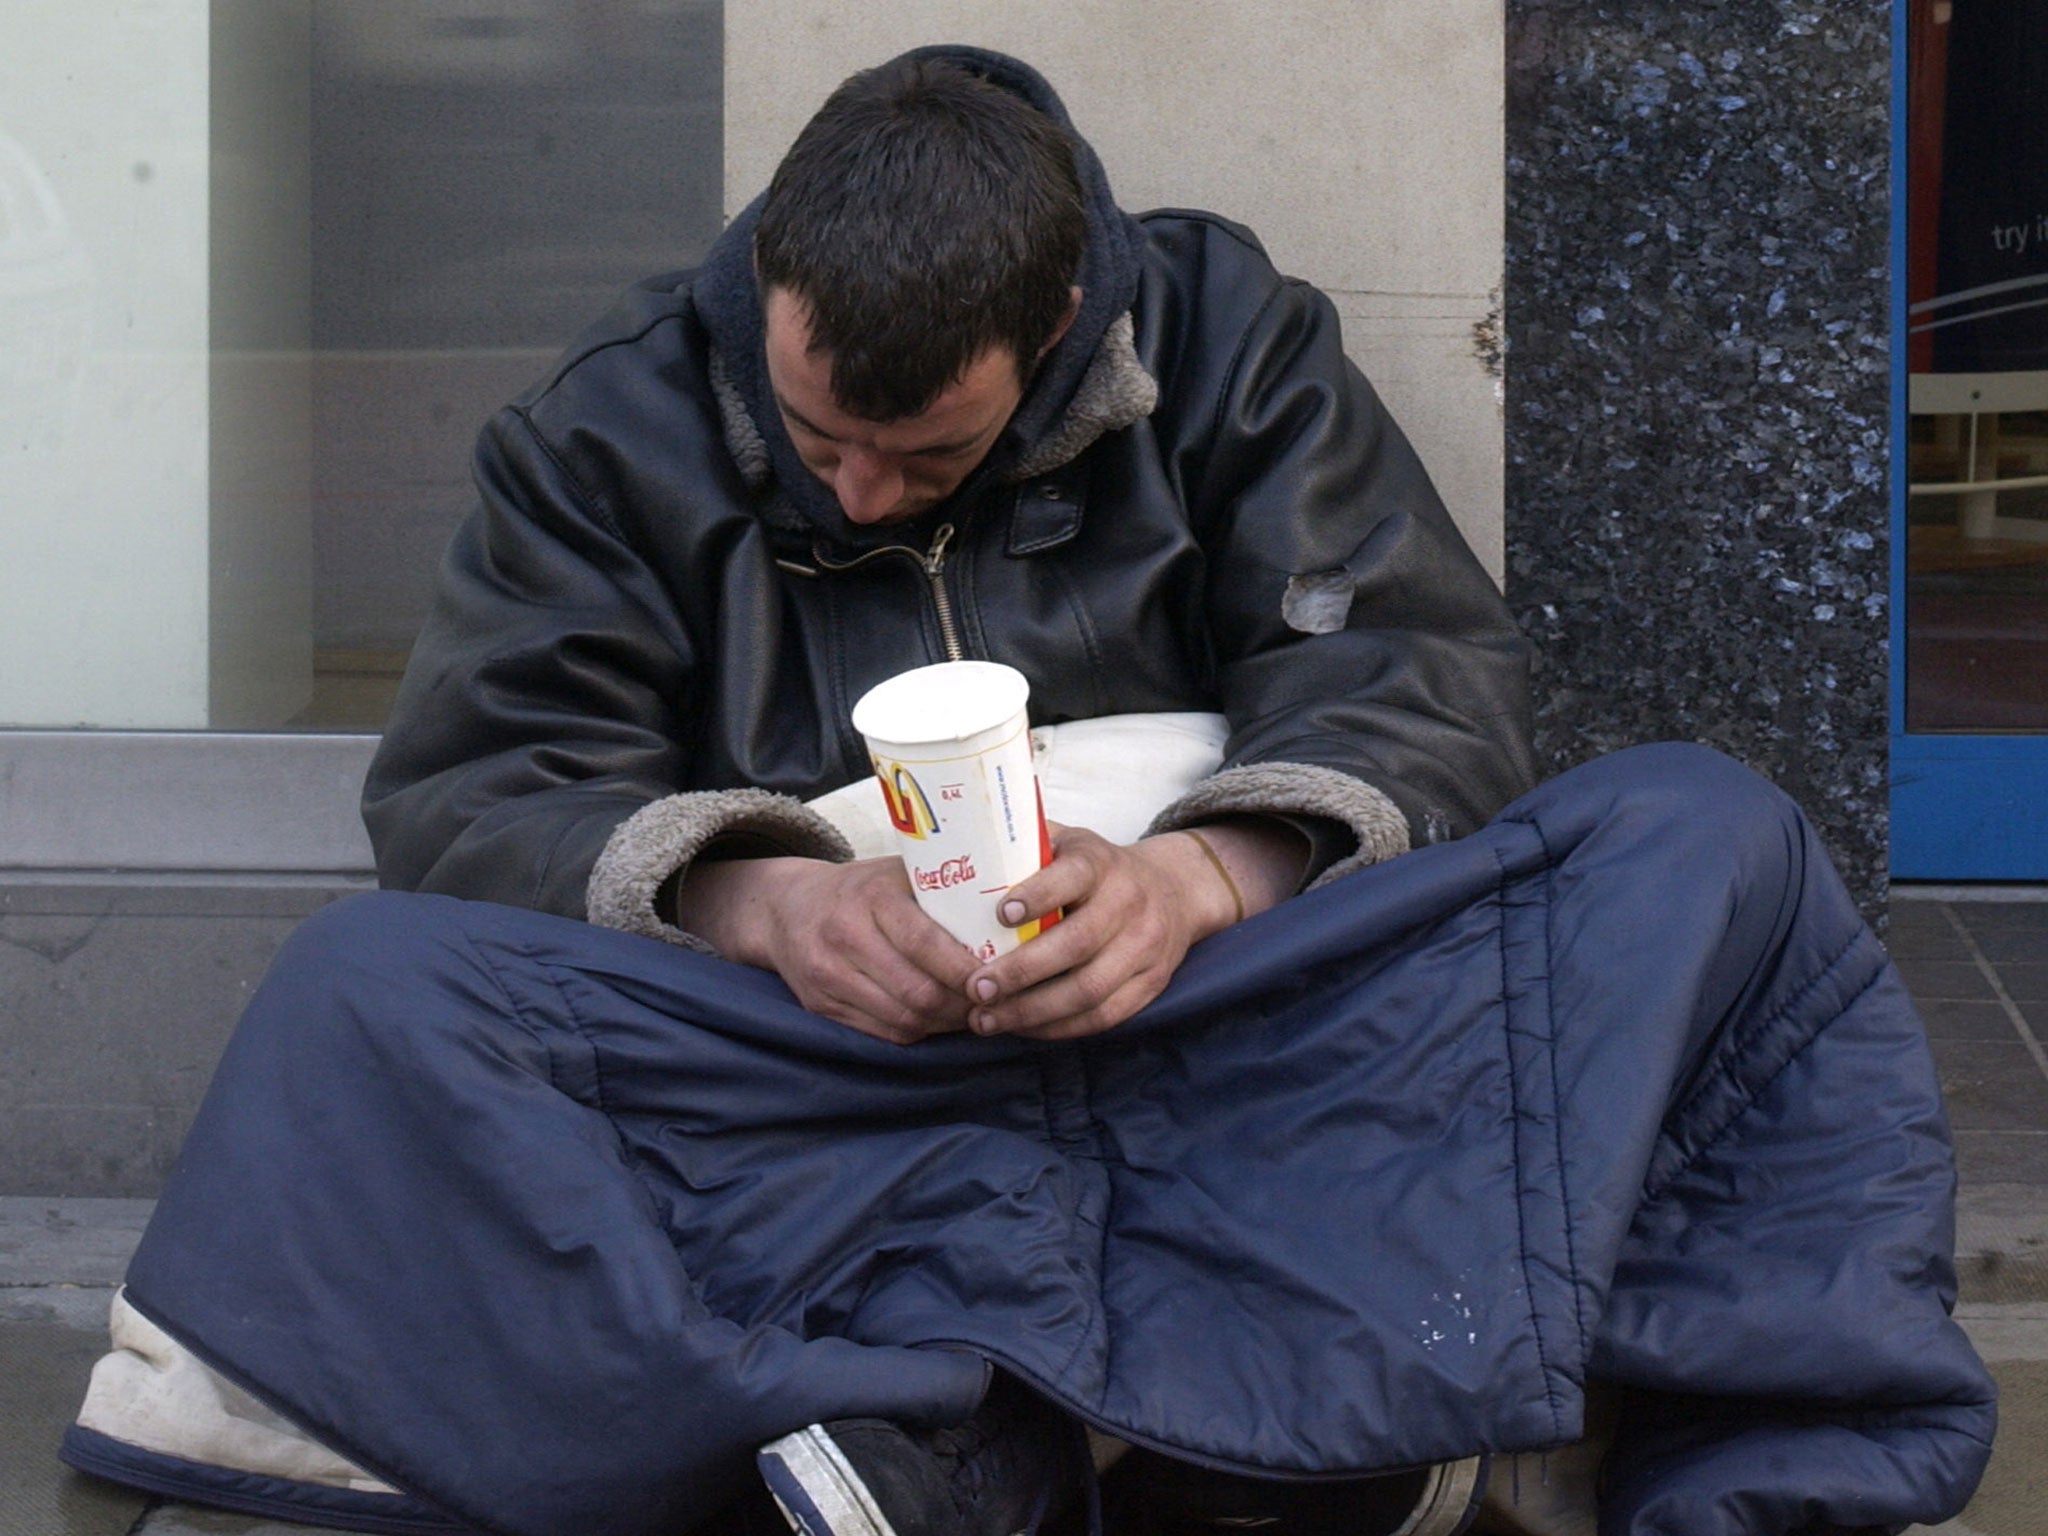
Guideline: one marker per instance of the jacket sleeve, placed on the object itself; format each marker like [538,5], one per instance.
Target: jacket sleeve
[1368,668]
[537,737]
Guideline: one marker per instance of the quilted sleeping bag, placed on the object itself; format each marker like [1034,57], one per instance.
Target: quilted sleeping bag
[548,1227]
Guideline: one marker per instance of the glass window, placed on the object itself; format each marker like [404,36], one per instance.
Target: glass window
[1977,354]
[265,267]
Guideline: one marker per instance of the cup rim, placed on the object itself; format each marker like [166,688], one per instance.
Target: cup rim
[972,697]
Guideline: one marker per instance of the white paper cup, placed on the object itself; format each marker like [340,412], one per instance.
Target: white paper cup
[952,750]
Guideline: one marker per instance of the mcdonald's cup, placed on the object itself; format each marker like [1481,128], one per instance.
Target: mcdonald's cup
[952,750]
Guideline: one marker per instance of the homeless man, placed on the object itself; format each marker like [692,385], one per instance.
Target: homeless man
[1311,1158]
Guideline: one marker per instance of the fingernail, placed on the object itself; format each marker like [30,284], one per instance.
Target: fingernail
[985,990]
[1012,912]
[982,1023]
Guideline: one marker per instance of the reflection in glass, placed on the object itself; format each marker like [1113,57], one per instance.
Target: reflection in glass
[265,267]
[103,513]
[1977,510]
[43,298]
[487,175]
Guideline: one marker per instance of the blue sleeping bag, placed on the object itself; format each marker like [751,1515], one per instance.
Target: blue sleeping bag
[551,1226]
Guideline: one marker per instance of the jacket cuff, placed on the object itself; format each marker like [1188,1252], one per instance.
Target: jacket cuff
[1297,789]
[660,839]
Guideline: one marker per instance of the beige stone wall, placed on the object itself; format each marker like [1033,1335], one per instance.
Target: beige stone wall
[1360,138]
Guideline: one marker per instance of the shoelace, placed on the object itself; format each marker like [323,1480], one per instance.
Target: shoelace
[960,1446]
[973,1473]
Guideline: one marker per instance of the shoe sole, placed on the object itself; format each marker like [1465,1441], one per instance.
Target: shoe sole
[1450,1499]
[816,1488]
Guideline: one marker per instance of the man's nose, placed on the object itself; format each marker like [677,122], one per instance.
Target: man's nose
[869,487]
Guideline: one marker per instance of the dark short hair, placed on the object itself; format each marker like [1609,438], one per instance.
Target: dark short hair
[922,217]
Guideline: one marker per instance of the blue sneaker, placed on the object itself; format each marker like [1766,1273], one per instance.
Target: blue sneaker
[1006,1470]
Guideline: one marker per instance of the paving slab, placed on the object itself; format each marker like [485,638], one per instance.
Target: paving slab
[1973,1019]
[68,1242]
[2002,1264]
[1991,1085]
[1930,980]
[48,1356]
[190,1520]
[59,1263]
[2003,1157]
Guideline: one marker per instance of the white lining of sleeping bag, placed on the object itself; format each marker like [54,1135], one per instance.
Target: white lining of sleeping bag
[153,1393]
[1111,775]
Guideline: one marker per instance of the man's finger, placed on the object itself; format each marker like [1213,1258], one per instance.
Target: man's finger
[1057,986]
[1112,913]
[914,969]
[1075,1013]
[1076,870]
[912,933]
[875,1007]
[853,968]
[1074,941]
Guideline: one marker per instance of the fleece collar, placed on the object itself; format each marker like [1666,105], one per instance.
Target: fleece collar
[1089,384]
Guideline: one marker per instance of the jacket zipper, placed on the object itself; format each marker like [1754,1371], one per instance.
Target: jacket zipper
[932,562]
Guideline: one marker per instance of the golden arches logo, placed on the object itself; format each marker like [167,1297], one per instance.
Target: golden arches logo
[909,811]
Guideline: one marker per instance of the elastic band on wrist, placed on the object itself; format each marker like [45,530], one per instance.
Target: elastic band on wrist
[1236,896]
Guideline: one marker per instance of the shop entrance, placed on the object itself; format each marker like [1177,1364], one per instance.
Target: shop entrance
[1970,560]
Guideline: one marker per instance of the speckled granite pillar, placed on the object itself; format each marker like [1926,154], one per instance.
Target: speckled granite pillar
[1697,388]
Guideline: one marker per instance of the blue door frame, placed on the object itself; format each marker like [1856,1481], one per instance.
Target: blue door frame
[1962,807]
[1965,807]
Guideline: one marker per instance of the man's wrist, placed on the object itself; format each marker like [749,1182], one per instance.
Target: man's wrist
[728,903]
[1250,863]
[1215,859]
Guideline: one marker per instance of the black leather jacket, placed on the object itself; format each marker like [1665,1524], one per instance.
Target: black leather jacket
[634,611]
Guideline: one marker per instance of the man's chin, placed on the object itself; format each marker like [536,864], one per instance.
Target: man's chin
[909,512]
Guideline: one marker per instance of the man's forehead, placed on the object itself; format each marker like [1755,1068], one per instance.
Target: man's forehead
[801,376]
[786,314]
[930,433]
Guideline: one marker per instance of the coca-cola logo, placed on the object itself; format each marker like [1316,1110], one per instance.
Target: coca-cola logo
[954,871]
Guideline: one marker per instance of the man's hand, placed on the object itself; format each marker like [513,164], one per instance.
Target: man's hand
[1131,914]
[849,940]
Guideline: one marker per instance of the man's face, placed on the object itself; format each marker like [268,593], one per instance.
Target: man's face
[884,472]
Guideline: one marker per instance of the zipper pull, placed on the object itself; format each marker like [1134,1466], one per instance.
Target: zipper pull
[935,557]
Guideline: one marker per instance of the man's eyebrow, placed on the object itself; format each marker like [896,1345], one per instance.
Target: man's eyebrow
[958,445]
[803,421]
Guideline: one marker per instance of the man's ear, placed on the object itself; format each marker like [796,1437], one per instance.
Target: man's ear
[1066,321]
